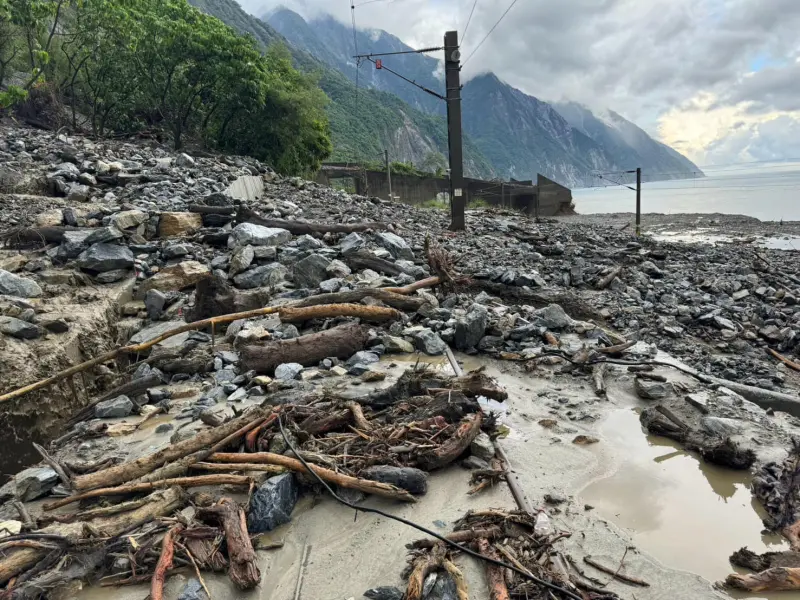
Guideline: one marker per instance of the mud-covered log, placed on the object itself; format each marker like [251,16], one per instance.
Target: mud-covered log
[777,579]
[214,296]
[372,314]
[24,237]
[453,406]
[207,553]
[363,485]
[325,421]
[459,537]
[243,569]
[159,504]
[748,559]
[340,342]
[452,448]
[399,301]
[142,466]
[247,215]
[363,259]
[572,302]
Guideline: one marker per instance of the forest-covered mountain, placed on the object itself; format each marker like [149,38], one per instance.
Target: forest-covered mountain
[518,134]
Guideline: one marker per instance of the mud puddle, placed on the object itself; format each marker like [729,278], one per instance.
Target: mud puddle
[684,512]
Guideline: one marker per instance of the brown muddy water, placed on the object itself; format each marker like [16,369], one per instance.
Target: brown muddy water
[684,512]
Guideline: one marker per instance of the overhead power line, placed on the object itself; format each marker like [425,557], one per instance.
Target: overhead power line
[411,81]
[469,19]
[503,16]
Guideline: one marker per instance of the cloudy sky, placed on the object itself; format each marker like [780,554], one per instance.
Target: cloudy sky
[718,80]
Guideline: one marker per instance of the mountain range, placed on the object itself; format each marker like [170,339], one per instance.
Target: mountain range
[508,134]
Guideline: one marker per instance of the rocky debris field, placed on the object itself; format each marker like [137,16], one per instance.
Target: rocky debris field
[253,315]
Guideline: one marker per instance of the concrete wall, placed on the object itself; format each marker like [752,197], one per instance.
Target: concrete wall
[554,198]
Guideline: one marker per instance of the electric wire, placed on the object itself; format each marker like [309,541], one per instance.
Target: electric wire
[469,20]
[424,530]
[490,33]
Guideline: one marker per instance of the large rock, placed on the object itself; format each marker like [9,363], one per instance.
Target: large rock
[264,276]
[104,234]
[394,344]
[35,482]
[429,342]
[471,327]
[553,316]
[363,357]
[272,504]
[257,235]
[73,243]
[412,480]
[311,271]
[176,277]
[179,224]
[396,245]
[482,447]
[193,590]
[351,244]
[154,303]
[288,371]
[652,390]
[159,329]
[115,408]
[19,329]
[128,219]
[100,258]
[14,285]
[241,259]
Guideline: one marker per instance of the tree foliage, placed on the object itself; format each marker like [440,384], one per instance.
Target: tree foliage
[124,65]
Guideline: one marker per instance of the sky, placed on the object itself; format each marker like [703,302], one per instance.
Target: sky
[718,80]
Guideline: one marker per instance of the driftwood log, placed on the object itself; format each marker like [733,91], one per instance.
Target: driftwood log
[342,342]
[494,574]
[142,466]
[247,215]
[777,579]
[395,300]
[243,569]
[159,504]
[454,447]
[363,485]
[164,563]
[372,314]
[363,259]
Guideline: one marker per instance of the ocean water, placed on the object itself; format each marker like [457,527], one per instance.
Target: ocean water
[767,191]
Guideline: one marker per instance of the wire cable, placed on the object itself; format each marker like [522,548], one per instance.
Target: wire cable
[424,530]
[469,19]
[490,33]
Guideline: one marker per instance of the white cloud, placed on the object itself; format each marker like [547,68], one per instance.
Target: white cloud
[679,68]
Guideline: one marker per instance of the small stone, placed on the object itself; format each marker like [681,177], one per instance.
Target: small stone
[193,590]
[14,285]
[19,329]
[115,408]
[54,325]
[184,160]
[555,498]
[111,276]
[103,235]
[35,482]
[179,224]
[482,447]
[473,462]
[384,593]
[396,344]
[652,390]
[338,269]
[721,427]
[363,358]
[412,480]
[272,503]
[581,440]
[649,268]
[338,370]
[257,235]
[288,371]
[329,286]
[740,295]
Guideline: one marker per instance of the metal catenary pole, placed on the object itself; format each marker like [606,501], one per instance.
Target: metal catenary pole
[458,198]
[638,201]
[388,172]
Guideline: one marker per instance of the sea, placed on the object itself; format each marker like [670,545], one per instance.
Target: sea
[769,191]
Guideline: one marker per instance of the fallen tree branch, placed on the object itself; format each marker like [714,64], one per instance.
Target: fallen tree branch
[373,314]
[777,579]
[454,447]
[616,575]
[417,285]
[784,360]
[364,485]
[460,537]
[494,574]
[399,301]
[164,563]
[136,488]
[243,569]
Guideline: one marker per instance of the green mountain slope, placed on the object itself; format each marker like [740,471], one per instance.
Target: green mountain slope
[363,122]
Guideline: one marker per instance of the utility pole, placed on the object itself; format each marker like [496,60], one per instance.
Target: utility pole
[452,66]
[388,172]
[638,201]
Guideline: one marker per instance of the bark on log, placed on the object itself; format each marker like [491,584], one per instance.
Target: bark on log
[243,570]
[159,504]
[341,342]
[364,485]
[570,301]
[777,579]
[764,398]
[494,574]
[212,210]
[452,448]
[324,422]
[146,464]
[137,488]
[398,301]
[372,314]
[207,553]
[25,236]
[164,563]
[247,215]
[272,469]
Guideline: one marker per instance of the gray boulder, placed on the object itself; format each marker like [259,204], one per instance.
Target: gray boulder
[397,344]
[115,408]
[652,390]
[384,593]
[721,427]
[311,271]
[272,504]
[429,342]
[193,590]
[482,447]
[19,329]
[241,259]
[288,371]
[352,244]
[104,234]
[73,243]
[154,303]
[101,257]
[363,358]
[257,235]
[471,327]
[396,245]
[35,482]
[412,480]
[264,276]
[553,316]
[14,285]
